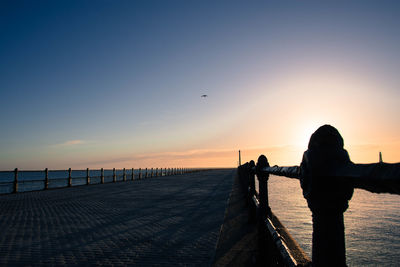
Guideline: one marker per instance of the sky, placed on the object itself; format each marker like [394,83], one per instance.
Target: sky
[119,83]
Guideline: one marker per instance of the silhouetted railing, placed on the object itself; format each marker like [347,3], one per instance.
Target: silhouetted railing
[278,247]
[328,178]
[12,181]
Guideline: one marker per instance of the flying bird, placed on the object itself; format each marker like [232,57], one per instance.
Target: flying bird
[204,96]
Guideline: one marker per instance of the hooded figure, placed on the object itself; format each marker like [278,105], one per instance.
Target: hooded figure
[326,196]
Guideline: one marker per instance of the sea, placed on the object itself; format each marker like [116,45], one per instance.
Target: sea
[372,222]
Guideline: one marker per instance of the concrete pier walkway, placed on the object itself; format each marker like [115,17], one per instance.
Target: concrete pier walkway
[160,221]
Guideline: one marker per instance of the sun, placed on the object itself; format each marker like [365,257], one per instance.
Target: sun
[304,133]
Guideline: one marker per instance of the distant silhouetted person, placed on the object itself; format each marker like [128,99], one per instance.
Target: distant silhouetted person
[327,198]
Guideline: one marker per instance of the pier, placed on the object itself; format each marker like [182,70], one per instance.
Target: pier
[169,220]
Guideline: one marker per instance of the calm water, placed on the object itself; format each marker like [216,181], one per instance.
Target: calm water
[372,222]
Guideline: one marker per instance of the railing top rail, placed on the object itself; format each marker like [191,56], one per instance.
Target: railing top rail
[291,172]
[373,177]
[107,169]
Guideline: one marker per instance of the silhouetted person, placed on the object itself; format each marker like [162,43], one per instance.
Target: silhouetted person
[327,198]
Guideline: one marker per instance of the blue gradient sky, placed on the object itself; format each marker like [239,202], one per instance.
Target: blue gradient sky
[118,83]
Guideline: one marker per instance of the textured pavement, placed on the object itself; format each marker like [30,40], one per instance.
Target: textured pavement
[160,221]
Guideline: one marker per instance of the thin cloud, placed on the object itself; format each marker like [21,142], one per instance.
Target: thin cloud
[196,157]
[71,143]
[195,154]
[164,156]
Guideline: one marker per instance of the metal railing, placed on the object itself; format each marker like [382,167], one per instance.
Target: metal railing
[33,180]
[328,178]
[278,247]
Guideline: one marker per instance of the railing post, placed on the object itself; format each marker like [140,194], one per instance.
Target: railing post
[140,173]
[46,178]
[251,179]
[151,173]
[145,174]
[124,175]
[16,180]
[69,177]
[156,172]
[102,175]
[251,190]
[87,176]
[114,176]
[327,199]
[262,177]
[133,174]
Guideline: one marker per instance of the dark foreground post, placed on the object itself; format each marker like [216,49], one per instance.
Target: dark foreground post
[140,173]
[262,177]
[251,189]
[46,178]
[124,175]
[114,176]
[15,180]
[326,198]
[133,174]
[145,174]
[102,175]
[251,180]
